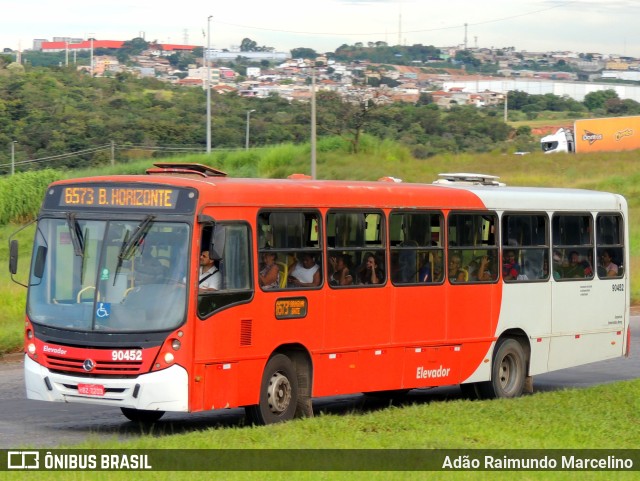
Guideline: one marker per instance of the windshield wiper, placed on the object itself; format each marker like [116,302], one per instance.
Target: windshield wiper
[77,239]
[130,243]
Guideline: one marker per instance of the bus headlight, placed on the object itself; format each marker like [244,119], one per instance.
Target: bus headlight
[168,358]
[31,348]
[176,344]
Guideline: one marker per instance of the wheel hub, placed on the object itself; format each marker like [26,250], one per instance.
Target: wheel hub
[279,393]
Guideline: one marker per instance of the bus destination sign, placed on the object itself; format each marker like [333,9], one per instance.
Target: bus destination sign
[119,197]
[114,197]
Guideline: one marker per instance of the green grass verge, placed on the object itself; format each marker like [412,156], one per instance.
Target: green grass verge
[602,417]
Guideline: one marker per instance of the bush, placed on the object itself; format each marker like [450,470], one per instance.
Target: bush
[21,195]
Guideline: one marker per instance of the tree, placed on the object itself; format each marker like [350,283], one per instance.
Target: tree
[344,117]
[597,100]
[304,53]
[131,47]
[248,45]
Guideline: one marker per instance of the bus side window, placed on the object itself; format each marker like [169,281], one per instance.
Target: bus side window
[525,249]
[291,239]
[473,250]
[610,246]
[416,252]
[573,241]
[356,240]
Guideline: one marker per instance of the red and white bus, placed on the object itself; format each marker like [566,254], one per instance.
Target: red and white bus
[378,286]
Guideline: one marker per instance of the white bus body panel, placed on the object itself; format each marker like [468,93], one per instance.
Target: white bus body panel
[567,323]
[170,385]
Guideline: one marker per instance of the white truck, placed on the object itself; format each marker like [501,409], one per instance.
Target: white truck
[611,134]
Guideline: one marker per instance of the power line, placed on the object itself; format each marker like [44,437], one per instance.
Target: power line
[123,147]
[423,30]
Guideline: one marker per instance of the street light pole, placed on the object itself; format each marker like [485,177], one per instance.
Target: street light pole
[91,59]
[207,55]
[246,137]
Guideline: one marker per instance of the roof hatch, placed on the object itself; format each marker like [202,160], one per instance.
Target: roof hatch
[184,169]
[468,178]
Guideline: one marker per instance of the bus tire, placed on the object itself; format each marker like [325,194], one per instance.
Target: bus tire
[141,416]
[278,393]
[508,371]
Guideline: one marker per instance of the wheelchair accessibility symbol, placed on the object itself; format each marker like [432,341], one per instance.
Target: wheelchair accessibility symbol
[103,310]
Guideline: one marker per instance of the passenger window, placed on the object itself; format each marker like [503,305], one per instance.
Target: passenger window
[473,249]
[355,248]
[525,248]
[232,264]
[289,249]
[610,246]
[572,247]
[417,250]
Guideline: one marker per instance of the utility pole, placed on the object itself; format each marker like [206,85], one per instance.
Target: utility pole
[246,137]
[13,156]
[313,121]
[208,55]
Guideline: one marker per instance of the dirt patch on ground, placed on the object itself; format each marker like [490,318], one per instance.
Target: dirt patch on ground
[547,129]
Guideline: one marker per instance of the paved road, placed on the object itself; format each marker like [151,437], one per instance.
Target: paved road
[37,424]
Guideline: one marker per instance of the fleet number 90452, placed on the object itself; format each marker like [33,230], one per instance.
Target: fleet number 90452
[126,355]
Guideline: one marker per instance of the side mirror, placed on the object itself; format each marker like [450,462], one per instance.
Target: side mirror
[38,267]
[217,242]
[13,257]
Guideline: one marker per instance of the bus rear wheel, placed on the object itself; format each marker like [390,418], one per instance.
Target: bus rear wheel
[141,416]
[508,372]
[278,393]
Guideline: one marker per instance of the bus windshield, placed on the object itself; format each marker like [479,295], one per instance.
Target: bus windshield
[109,275]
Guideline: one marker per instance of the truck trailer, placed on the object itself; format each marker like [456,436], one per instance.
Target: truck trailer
[611,134]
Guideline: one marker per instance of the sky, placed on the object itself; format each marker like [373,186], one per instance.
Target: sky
[587,26]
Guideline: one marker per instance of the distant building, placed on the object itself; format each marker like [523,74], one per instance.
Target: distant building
[81,45]
[255,56]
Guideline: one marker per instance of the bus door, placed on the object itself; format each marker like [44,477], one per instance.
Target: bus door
[227,332]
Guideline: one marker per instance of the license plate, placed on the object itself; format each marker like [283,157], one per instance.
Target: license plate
[91,389]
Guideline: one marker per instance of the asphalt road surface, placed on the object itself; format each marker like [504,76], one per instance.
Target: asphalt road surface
[37,424]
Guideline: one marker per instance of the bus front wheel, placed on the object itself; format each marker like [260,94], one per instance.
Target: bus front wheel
[278,393]
[141,416]
[508,371]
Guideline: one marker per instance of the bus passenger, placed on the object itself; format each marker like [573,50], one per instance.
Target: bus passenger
[424,274]
[456,273]
[608,266]
[510,267]
[269,274]
[575,268]
[484,271]
[306,273]
[341,275]
[210,278]
[369,272]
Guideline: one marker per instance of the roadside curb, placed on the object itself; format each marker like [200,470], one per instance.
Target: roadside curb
[11,357]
